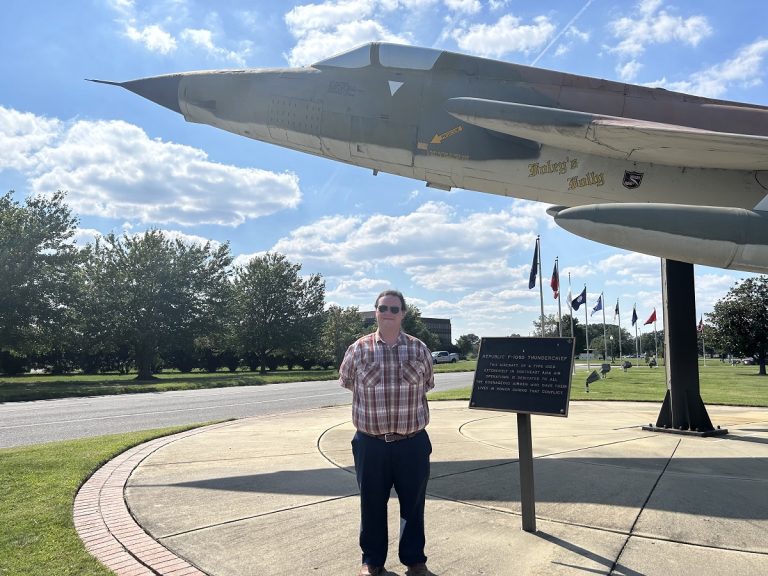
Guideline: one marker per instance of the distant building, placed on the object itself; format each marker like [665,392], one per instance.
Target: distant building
[440,327]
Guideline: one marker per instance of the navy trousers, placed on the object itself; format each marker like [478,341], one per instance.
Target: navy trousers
[380,466]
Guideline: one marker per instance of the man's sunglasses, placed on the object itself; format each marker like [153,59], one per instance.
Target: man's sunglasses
[385,308]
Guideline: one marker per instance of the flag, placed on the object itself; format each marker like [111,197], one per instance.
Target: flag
[700,327]
[651,318]
[555,282]
[598,306]
[534,267]
[570,297]
[634,315]
[580,299]
[616,311]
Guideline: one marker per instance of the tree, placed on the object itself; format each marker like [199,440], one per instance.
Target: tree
[578,332]
[277,310]
[551,329]
[155,294]
[413,325]
[38,264]
[597,340]
[740,320]
[341,328]
[468,344]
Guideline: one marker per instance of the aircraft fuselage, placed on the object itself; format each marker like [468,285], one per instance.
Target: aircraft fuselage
[458,121]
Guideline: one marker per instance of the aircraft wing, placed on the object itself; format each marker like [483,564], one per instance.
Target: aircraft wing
[615,137]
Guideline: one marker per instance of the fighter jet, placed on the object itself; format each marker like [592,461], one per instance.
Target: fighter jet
[646,169]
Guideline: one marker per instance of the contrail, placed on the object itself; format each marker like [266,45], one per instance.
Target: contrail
[556,38]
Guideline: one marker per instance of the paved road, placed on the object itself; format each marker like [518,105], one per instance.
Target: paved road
[25,423]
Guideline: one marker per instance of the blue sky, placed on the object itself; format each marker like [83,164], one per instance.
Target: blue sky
[129,165]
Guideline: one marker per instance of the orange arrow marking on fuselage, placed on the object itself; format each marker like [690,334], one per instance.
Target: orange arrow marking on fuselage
[438,138]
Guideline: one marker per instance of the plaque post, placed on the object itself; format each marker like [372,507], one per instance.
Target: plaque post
[525,449]
[526,376]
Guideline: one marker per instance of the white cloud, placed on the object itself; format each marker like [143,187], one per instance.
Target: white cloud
[507,35]
[464,6]
[745,69]
[629,70]
[204,39]
[653,25]
[21,135]
[114,169]
[414,243]
[84,236]
[712,287]
[152,37]
[577,34]
[314,45]
[124,7]
[191,238]
[328,28]
[89,236]
[361,290]
[302,20]
[628,270]
[159,28]
[462,276]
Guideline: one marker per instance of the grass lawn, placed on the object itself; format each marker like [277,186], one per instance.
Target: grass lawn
[44,387]
[37,491]
[720,384]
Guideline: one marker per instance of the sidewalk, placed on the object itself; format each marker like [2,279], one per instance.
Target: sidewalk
[277,496]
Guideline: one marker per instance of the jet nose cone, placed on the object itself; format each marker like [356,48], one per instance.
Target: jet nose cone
[163,90]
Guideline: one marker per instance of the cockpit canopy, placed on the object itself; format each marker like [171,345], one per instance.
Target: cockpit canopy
[383,54]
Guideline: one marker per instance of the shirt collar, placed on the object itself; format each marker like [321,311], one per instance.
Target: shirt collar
[401,339]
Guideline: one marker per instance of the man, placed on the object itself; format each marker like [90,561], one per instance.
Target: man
[389,373]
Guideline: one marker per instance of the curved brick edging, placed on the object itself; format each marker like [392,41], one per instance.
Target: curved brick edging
[108,530]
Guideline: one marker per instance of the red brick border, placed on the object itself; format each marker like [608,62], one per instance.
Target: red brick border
[108,530]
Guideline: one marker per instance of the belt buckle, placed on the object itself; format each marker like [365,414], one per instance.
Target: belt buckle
[390,437]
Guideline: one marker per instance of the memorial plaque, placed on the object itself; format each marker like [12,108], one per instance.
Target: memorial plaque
[524,375]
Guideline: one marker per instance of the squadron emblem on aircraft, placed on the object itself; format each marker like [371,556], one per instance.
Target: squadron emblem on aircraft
[632,179]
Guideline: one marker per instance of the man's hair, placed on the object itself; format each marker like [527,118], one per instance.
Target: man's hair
[391,293]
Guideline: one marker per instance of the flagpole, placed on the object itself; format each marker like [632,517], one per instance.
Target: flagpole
[605,336]
[655,340]
[541,285]
[618,313]
[703,347]
[559,309]
[586,332]
[570,307]
[637,343]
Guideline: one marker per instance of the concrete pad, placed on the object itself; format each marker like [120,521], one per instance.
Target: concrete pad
[660,558]
[461,541]
[277,495]
[262,436]
[565,491]
[318,539]
[172,498]
[709,511]
[255,466]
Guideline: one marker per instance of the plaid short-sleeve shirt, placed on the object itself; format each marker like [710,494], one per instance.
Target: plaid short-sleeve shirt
[388,384]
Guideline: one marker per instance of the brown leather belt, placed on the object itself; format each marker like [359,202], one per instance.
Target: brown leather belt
[392,437]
